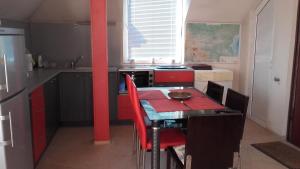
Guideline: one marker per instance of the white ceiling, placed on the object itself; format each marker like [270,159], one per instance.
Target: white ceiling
[220,10]
[18,9]
[79,10]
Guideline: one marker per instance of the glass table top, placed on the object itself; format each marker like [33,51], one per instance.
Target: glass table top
[153,115]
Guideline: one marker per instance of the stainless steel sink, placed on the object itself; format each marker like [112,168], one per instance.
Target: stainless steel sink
[171,67]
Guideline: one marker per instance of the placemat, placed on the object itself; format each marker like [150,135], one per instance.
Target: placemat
[166,105]
[151,94]
[202,103]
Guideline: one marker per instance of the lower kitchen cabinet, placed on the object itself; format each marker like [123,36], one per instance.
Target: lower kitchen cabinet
[38,122]
[76,99]
[113,96]
[51,92]
[125,110]
[174,78]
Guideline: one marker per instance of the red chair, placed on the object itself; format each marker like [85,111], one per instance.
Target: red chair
[168,137]
[129,89]
[129,85]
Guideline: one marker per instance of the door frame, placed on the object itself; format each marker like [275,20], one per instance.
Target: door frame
[296,69]
[258,10]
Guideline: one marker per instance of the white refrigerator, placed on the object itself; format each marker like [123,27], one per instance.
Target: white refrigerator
[15,126]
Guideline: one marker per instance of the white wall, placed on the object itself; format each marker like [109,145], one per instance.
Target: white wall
[284,39]
[220,10]
[225,12]
[186,7]
[247,53]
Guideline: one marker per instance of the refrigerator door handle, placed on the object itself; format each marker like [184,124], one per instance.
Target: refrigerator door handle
[4,86]
[11,141]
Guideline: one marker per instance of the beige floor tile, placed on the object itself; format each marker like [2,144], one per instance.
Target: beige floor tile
[252,158]
[73,148]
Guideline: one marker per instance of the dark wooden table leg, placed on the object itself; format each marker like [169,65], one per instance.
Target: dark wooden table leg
[155,155]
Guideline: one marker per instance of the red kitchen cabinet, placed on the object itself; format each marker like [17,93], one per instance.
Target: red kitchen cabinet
[125,110]
[164,77]
[38,122]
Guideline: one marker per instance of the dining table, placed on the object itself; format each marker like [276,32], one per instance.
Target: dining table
[161,108]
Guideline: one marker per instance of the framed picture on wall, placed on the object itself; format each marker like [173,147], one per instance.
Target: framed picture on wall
[212,42]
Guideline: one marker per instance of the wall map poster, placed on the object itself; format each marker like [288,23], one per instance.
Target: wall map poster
[212,42]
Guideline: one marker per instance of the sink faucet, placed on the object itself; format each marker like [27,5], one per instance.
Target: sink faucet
[75,62]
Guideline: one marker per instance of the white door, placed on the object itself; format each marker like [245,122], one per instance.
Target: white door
[262,75]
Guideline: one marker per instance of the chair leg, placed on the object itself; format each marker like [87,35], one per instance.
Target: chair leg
[143,158]
[237,163]
[240,161]
[134,137]
[138,149]
[168,160]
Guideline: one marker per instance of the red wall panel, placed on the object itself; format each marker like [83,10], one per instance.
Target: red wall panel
[100,70]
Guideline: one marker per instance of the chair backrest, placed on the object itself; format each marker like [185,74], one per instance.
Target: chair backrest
[138,115]
[237,101]
[129,89]
[215,91]
[211,141]
[129,86]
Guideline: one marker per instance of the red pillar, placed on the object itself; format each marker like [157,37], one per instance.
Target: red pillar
[100,70]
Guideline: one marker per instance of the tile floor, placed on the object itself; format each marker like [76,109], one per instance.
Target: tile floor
[73,148]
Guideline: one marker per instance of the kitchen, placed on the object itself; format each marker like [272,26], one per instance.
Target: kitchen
[67,91]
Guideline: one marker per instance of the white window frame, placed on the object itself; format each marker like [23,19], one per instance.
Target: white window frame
[178,59]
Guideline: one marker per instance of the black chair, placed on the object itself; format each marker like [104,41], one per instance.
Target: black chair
[210,143]
[215,91]
[239,102]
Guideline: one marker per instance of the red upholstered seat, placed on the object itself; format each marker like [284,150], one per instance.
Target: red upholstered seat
[169,137]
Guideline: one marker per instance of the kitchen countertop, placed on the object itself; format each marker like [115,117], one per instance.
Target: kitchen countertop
[41,76]
[152,68]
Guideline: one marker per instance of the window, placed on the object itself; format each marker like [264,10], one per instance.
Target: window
[152,31]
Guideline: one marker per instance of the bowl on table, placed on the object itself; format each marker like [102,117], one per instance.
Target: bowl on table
[181,96]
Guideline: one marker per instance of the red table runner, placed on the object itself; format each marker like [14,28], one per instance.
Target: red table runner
[160,103]
[202,103]
[166,105]
[151,95]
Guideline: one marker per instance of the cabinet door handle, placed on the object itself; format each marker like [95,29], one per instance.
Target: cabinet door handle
[11,141]
[276,79]
[4,86]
